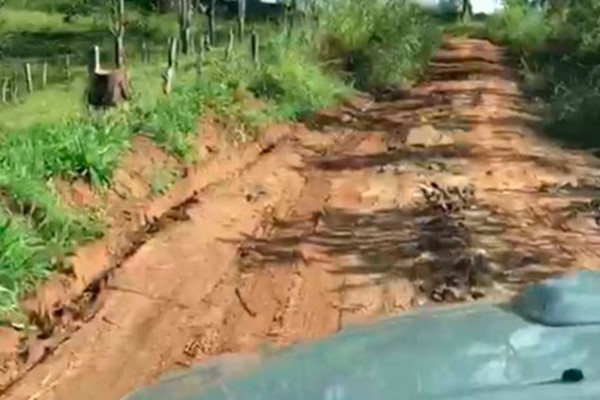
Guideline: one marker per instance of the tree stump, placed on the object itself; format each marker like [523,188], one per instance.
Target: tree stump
[108,88]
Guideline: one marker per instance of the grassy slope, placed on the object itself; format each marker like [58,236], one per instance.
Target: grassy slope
[50,134]
[37,35]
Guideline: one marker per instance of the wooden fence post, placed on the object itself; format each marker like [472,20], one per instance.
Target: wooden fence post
[15,89]
[68,66]
[44,74]
[94,61]
[28,78]
[169,74]
[212,22]
[241,19]
[200,62]
[145,55]
[254,45]
[230,44]
[185,22]
[5,90]
[206,43]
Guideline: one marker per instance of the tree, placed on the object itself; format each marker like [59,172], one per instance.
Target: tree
[467,10]
[241,19]
[185,24]
[116,24]
[211,13]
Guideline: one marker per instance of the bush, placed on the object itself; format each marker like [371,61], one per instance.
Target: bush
[383,43]
[522,27]
[574,106]
[292,77]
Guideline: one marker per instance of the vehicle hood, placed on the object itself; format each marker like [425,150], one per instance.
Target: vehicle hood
[454,352]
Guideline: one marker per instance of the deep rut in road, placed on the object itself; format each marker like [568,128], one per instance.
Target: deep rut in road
[443,193]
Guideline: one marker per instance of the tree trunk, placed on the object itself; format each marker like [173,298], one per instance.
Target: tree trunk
[119,52]
[106,88]
[212,21]
[241,19]
[120,35]
[467,11]
[185,32]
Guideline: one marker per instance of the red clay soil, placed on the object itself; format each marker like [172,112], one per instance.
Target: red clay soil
[443,194]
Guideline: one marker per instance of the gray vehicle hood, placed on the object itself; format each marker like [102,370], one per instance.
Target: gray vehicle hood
[476,351]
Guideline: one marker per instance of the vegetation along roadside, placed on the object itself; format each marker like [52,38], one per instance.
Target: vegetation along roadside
[557,46]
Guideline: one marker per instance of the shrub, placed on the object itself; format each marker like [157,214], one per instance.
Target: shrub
[383,43]
[521,26]
[293,79]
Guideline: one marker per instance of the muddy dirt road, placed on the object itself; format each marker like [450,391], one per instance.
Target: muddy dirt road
[442,194]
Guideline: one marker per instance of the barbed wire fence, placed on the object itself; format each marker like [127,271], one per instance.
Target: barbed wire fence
[22,76]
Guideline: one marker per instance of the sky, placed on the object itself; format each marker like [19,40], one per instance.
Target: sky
[479,6]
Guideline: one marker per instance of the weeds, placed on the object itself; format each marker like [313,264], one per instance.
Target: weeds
[172,122]
[162,181]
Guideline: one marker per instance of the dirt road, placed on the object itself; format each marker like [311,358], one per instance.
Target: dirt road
[444,193]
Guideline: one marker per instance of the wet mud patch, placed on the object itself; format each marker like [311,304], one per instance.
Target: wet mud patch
[432,248]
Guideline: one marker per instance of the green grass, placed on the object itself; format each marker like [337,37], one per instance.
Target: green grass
[50,135]
[162,180]
[23,261]
[35,21]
